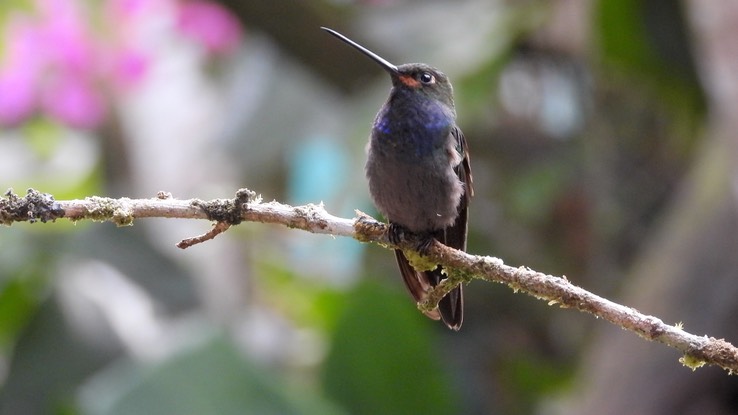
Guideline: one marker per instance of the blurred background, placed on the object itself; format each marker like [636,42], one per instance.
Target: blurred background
[603,144]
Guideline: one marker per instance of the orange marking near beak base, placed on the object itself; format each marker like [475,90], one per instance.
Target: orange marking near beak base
[409,81]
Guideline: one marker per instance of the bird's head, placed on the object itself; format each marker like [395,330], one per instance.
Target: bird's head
[414,77]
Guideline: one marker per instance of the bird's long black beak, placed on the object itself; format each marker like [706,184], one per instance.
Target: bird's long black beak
[392,69]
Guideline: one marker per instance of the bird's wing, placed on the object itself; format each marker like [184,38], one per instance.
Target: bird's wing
[455,235]
[451,306]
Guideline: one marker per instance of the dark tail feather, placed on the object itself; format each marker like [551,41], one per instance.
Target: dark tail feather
[450,308]
[452,305]
[416,282]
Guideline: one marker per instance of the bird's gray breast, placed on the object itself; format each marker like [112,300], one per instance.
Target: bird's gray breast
[410,168]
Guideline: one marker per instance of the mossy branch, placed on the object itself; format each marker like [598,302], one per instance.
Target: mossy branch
[462,267]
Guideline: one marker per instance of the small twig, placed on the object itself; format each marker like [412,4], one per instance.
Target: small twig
[461,266]
[217,229]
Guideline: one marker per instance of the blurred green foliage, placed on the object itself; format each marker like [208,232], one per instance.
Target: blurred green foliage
[19,299]
[209,379]
[649,43]
[383,359]
[305,301]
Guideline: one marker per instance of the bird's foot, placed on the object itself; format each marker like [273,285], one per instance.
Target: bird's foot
[424,244]
[395,233]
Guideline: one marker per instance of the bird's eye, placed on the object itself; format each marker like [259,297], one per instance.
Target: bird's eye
[427,78]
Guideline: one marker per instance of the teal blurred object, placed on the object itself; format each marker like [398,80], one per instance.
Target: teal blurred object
[319,172]
[318,167]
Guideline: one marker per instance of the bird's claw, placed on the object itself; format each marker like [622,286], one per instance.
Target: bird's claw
[424,245]
[395,233]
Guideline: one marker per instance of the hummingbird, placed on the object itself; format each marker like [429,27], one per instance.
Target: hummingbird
[419,172]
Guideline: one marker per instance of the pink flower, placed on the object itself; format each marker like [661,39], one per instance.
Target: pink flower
[129,68]
[67,42]
[17,96]
[19,71]
[74,101]
[210,24]
[127,8]
[55,62]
